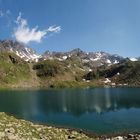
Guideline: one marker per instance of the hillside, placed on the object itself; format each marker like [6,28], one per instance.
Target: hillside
[126,73]
[15,72]
[21,50]
[59,74]
[64,69]
[12,69]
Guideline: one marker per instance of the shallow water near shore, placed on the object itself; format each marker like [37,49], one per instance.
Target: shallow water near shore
[98,110]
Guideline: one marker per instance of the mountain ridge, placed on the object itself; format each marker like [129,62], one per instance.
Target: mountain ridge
[24,52]
[28,54]
[21,66]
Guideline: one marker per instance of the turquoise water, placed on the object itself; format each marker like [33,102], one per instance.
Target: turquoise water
[99,110]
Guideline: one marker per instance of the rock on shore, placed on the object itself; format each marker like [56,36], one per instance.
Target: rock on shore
[16,129]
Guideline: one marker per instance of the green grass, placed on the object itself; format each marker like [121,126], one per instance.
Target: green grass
[129,73]
[12,69]
[49,68]
[72,84]
[15,72]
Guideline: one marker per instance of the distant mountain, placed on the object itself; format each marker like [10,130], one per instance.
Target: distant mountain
[88,59]
[91,58]
[19,49]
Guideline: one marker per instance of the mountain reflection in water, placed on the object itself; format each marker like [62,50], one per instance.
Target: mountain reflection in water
[74,101]
[101,110]
[78,102]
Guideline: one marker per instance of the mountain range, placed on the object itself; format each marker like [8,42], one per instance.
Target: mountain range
[20,65]
[94,58]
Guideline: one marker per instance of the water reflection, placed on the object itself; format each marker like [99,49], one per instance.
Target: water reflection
[75,102]
[100,101]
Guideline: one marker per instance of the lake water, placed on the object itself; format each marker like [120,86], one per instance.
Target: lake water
[99,110]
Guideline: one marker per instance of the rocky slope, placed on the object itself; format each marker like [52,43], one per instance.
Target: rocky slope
[13,69]
[19,49]
[92,58]
[14,129]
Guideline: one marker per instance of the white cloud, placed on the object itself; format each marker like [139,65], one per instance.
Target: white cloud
[25,34]
[54,29]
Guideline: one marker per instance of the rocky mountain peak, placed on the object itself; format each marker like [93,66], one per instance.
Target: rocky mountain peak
[91,58]
[20,49]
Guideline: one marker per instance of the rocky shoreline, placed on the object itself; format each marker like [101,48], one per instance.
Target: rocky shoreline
[17,129]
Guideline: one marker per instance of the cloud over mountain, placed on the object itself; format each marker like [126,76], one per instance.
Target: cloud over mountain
[23,33]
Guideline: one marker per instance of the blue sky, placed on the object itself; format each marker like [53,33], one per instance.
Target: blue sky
[62,25]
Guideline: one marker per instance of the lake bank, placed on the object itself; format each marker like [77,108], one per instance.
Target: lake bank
[54,84]
[15,129]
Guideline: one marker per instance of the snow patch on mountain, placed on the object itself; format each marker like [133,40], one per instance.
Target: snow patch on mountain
[116,62]
[94,59]
[108,61]
[19,49]
[91,58]
[133,59]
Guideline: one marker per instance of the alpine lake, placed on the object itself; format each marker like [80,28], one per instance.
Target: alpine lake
[96,110]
